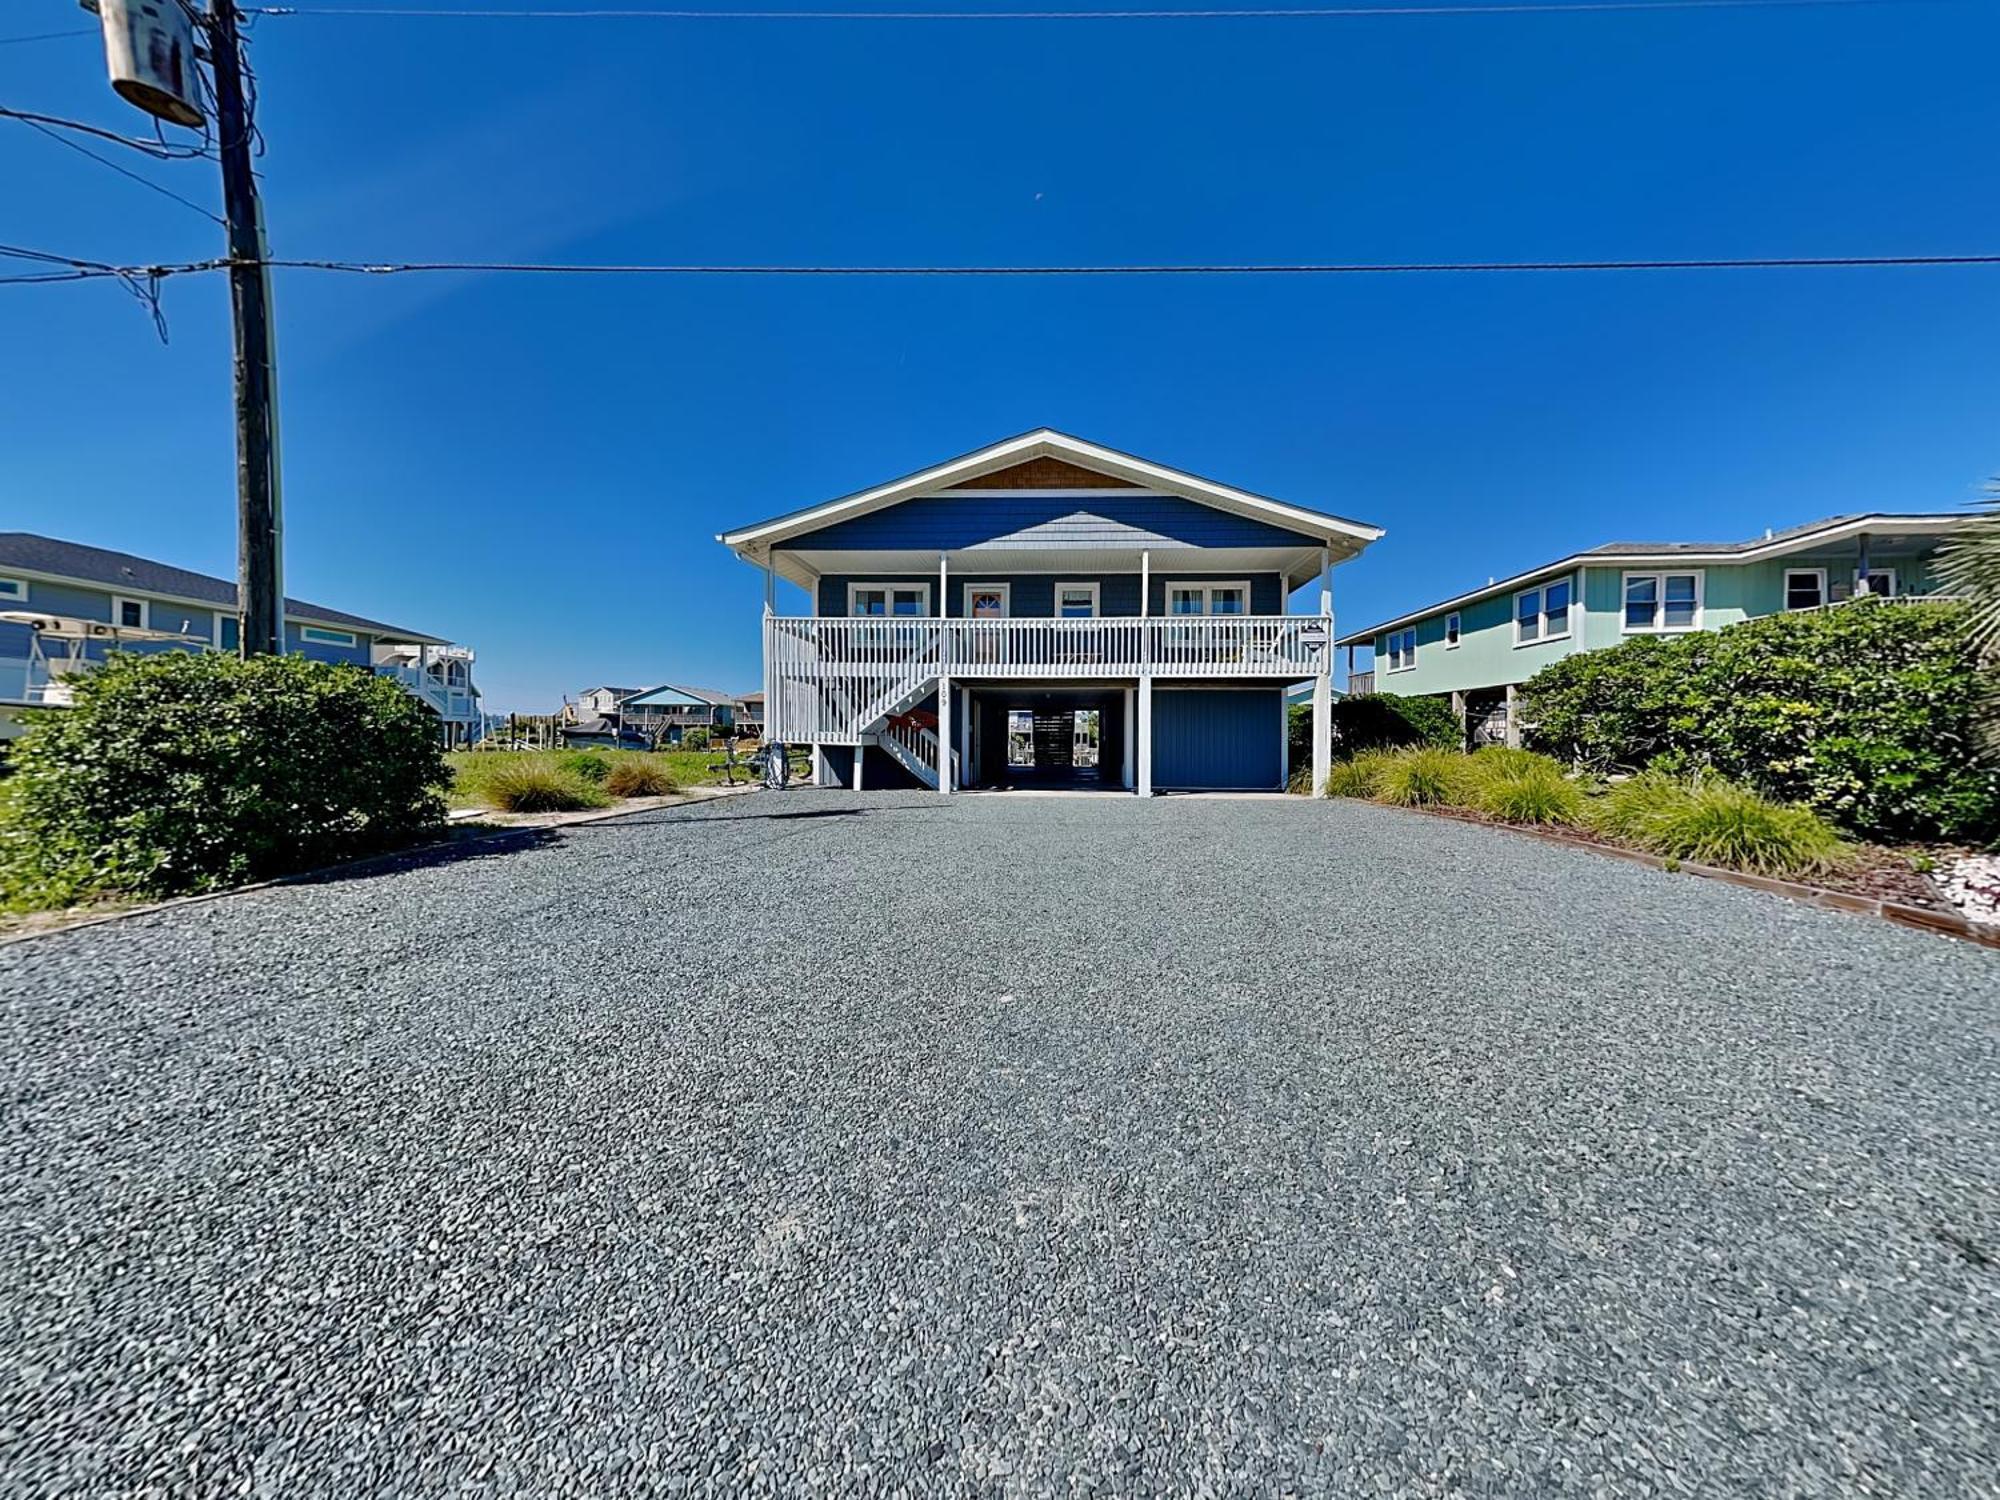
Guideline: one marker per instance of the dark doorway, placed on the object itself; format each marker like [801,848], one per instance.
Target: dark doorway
[1049,738]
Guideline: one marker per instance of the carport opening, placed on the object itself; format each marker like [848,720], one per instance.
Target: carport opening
[1048,738]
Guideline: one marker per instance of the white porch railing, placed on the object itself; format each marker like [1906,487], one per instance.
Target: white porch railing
[454,704]
[833,680]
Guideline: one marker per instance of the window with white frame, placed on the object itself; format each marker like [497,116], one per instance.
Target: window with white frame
[1208,598]
[1880,582]
[326,637]
[1805,588]
[888,599]
[1542,614]
[130,614]
[13,588]
[1451,631]
[1076,601]
[1662,601]
[1402,649]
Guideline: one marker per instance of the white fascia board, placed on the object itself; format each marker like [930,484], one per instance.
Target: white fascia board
[751,542]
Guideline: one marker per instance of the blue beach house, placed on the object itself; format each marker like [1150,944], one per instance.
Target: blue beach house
[1047,612]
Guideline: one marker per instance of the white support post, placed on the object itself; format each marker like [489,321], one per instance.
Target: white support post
[1323,683]
[1145,584]
[860,755]
[770,588]
[944,735]
[1146,736]
[819,763]
[942,596]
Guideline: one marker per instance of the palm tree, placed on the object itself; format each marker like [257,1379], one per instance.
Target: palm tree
[1969,564]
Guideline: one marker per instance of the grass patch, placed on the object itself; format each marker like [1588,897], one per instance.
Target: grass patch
[591,765]
[531,784]
[1719,823]
[638,776]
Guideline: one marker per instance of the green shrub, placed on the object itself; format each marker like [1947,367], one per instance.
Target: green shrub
[695,739]
[637,777]
[1714,822]
[1422,777]
[176,772]
[1356,777]
[532,784]
[1386,721]
[1868,714]
[1299,732]
[1517,786]
[588,764]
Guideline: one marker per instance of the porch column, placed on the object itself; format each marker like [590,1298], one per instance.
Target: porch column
[1145,584]
[819,765]
[1323,683]
[944,731]
[1130,778]
[1860,565]
[1145,737]
[941,611]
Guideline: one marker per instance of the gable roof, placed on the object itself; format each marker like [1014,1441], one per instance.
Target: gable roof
[1771,544]
[23,551]
[960,474]
[668,693]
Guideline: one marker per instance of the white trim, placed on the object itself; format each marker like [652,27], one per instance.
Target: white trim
[1660,577]
[321,635]
[15,589]
[891,587]
[118,603]
[1096,598]
[1047,443]
[1543,636]
[970,586]
[1454,630]
[1926,523]
[1819,574]
[1208,588]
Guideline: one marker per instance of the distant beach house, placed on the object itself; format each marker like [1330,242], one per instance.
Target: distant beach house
[1478,647]
[1047,612]
[64,605]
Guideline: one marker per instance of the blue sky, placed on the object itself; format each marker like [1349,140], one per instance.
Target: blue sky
[537,467]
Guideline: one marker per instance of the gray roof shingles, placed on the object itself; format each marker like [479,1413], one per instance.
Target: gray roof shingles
[98,565]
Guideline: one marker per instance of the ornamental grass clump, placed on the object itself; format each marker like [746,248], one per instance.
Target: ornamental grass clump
[1518,786]
[1423,777]
[529,783]
[1356,777]
[1715,822]
[639,777]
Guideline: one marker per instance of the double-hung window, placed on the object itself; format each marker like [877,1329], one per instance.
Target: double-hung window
[1208,598]
[1662,601]
[129,613]
[1805,588]
[1542,614]
[1076,601]
[1403,649]
[1451,631]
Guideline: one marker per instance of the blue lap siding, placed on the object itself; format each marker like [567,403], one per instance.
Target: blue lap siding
[1032,595]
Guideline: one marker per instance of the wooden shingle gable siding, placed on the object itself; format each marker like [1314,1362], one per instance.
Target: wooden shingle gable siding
[1046,474]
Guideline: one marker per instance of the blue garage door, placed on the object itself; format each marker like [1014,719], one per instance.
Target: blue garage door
[1218,739]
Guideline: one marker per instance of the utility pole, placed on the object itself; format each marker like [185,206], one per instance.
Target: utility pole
[260,591]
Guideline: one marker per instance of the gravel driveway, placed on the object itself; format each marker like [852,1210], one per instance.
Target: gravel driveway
[824,1142]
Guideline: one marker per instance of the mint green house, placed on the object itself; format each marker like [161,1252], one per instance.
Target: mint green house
[1479,646]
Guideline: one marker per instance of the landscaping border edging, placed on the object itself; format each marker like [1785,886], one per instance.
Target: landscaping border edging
[360,866]
[1946,924]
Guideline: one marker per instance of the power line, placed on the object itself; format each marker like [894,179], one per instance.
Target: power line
[1321,268]
[47,36]
[1301,13]
[146,182]
[158,150]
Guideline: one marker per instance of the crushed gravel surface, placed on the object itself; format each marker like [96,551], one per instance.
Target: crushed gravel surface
[817,1142]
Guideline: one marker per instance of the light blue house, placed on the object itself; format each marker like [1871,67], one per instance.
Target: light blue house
[1478,647]
[1047,612]
[64,605]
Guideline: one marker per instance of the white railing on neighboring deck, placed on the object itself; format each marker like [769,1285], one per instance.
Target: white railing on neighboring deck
[835,679]
[457,704]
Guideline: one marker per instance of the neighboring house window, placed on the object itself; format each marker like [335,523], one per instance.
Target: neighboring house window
[1402,649]
[326,637]
[1662,601]
[13,588]
[1542,614]
[1076,601]
[1451,631]
[1805,588]
[129,613]
[1880,581]
[888,599]
[1020,737]
[1208,598]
